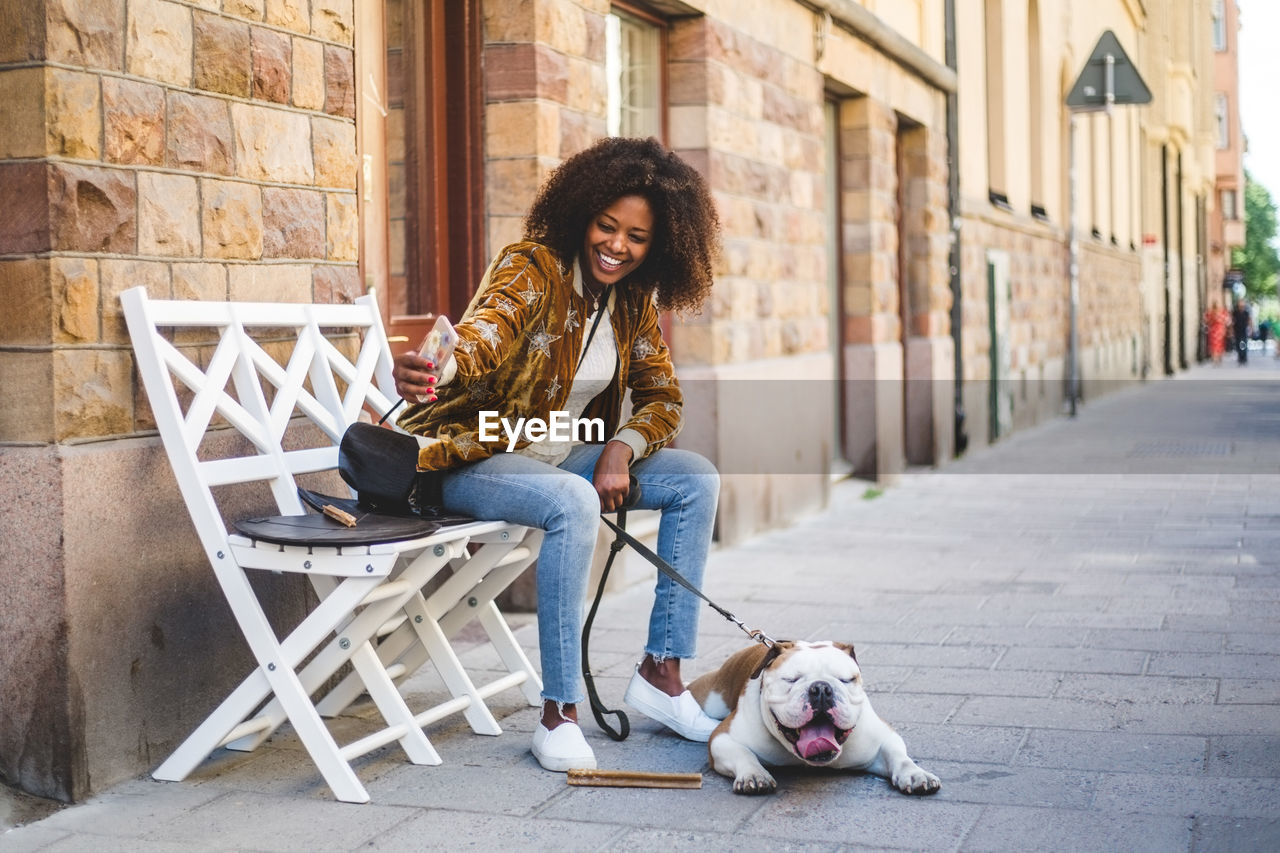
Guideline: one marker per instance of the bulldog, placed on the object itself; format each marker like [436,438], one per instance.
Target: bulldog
[799,703]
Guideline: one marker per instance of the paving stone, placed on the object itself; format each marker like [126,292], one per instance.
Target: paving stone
[885,820]
[980,682]
[951,742]
[1012,829]
[423,828]
[129,810]
[1110,751]
[1248,691]
[1036,713]
[27,839]
[1235,835]
[1203,719]
[713,808]
[647,840]
[971,782]
[1155,641]
[1215,665]
[1142,688]
[295,823]
[1245,755]
[1187,795]
[927,654]
[1073,660]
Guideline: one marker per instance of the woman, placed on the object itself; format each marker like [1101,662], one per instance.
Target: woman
[618,231]
[1215,320]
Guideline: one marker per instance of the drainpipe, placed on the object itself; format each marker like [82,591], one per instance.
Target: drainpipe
[953,218]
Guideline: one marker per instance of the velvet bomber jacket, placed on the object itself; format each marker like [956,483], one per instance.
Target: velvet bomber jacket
[517,352]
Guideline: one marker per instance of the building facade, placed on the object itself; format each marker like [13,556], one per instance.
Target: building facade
[1139,201]
[1226,210]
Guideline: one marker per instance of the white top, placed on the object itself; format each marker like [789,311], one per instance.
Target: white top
[593,376]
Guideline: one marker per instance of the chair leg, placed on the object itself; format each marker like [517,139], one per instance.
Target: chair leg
[513,657]
[392,706]
[436,644]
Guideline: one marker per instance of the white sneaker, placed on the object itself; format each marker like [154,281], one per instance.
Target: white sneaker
[562,748]
[682,714]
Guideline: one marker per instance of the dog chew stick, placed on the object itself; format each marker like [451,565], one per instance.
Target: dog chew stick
[634,779]
[339,515]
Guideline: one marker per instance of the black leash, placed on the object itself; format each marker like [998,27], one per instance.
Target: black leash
[621,539]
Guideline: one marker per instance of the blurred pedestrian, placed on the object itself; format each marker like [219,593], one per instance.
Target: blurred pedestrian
[1215,322]
[1241,327]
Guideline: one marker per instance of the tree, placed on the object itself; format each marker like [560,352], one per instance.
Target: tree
[1258,258]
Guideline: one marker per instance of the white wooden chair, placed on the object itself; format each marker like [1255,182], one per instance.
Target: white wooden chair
[371,610]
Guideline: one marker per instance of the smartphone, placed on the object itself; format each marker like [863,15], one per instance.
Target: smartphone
[438,345]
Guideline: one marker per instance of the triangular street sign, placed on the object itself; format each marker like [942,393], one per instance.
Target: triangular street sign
[1109,77]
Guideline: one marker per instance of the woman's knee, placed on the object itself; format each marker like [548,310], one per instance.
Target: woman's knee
[698,478]
[577,506]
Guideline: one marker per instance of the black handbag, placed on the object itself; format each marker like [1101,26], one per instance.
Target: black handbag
[382,466]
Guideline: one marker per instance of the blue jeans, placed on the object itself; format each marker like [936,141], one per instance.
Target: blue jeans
[562,501]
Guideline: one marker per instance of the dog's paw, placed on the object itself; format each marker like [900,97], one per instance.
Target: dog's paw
[753,784]
[914,780]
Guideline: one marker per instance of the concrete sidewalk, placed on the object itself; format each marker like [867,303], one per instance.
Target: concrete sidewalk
[1076,629]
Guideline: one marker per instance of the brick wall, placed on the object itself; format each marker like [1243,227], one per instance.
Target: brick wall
[204,150]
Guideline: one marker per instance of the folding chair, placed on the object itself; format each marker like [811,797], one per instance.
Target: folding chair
[371,610]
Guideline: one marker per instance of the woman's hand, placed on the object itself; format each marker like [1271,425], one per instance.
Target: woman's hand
[612,477]
[415,377]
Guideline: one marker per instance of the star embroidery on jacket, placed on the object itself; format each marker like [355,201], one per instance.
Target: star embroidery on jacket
[541,341]
[530,294]
[645,419]
[479,391]
[506,262]
[662,380]
[466,345]
[642,349]
[465,443]
[671,407]
[488,331]
[506,306]
[571,320]
[553,388]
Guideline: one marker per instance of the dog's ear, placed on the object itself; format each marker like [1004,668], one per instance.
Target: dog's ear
[847,647]
[770,656]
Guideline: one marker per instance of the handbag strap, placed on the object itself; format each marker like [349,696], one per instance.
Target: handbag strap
[602,306]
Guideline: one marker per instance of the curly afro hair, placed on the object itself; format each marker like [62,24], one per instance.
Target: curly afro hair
[686,227]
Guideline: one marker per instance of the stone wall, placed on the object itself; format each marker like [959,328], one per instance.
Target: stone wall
[1109,320]
[205,150]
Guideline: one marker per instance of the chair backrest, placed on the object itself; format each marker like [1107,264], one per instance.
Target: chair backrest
[245,389]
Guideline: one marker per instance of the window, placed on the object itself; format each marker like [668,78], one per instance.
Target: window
[432,158]
[1228,204]
[635,44]
[1220,114]
[1219,26]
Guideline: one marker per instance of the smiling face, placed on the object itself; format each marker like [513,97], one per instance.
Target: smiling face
[617,240]
[812,697]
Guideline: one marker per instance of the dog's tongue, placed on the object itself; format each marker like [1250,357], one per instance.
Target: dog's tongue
[817,738]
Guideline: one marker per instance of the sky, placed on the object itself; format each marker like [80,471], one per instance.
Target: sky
[1259,80]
